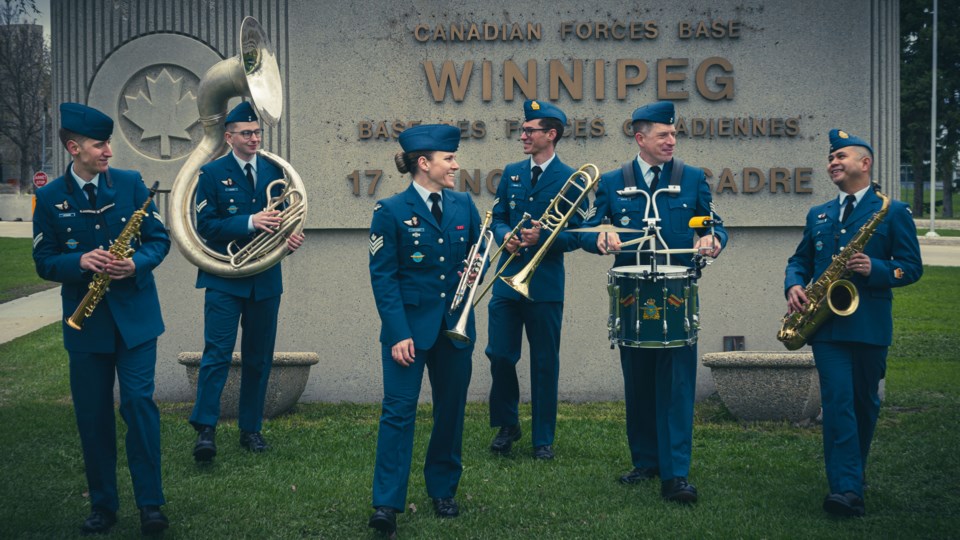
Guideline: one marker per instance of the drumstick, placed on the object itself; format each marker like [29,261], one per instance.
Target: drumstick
[692,250]
[634,241]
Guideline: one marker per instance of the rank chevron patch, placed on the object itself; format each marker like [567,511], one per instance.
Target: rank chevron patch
[376,242]
[588,213]
[158,217]
[200,205]
[37,239]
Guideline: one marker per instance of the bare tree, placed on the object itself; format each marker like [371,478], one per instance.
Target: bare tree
[24,84]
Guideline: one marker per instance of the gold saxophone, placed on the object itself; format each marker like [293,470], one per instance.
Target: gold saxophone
[831,293]
[121,250]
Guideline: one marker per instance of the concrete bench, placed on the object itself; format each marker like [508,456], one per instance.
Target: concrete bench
[757,385]
[288,378]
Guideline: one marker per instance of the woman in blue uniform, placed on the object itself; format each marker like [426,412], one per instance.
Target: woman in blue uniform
[419,239]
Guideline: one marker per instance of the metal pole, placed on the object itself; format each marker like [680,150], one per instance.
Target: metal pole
[933,128]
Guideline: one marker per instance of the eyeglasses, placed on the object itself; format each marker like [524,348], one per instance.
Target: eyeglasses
[247,133]
[529,130]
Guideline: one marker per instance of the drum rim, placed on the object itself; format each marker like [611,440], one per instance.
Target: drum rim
[667,270]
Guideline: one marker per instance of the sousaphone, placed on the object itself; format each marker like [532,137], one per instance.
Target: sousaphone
[252,74]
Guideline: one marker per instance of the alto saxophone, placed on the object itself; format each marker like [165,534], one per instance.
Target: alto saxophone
[831,293]
[121,250]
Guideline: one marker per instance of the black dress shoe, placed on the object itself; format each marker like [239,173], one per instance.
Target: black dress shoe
[678,490]
[847,504]
[505,438]
[639,474]
[253,441]
[98,522]
[152,520]
[206,447]
[446,508]
[543,452]
[384,520]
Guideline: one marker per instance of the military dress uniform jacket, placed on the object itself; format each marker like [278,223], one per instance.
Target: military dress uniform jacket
[514,197]
[894,259]
[225,202]
[675,211]
[65,226]
[414,265]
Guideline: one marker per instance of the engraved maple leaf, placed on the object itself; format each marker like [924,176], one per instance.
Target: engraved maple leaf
[164,113]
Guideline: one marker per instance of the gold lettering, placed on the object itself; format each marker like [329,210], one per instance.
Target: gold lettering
[749,173]
[421,32]
[623,81]
[471,182]
[726,182]
[665,77]
[486,93]
[779,178]
[725,83]
[512,75]
[802,176]
[597,129]
[493,178]
[599,79]
[572,82]
[448,79]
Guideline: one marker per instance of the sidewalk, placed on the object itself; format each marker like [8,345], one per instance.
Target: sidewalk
[24,315]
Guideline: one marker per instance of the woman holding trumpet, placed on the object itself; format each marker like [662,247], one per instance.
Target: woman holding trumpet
[418,241]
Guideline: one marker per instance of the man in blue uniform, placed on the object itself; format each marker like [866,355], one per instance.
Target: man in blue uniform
[419,239]
[77,217]
[231,200]
[851,352]
[527,187]
[659,383]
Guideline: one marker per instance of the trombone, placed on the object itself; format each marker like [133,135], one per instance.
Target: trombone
[555,220]
[472,270]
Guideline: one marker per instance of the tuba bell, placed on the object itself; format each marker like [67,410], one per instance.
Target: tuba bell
[255,74]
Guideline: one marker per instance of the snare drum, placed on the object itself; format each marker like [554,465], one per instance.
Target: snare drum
[653,310]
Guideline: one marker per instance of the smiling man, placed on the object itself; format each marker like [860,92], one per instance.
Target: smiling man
[851,352]
[659,383]
[528,186]
[77,217]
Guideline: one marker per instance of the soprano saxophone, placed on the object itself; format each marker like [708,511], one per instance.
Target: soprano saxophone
[121,250]
[831,294]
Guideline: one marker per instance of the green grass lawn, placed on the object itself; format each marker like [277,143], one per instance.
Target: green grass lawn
[941,232]
[906,195]
[758,480]
[18,277]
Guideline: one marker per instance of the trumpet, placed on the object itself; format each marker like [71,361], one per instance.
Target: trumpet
[554,219]
[514,232]
[472,270]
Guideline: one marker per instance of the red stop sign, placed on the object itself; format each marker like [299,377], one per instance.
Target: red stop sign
[40,179]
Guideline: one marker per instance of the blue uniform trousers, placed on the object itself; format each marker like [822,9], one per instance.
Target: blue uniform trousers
[542,321]
[91,383]
[659,388]
[449,370]
[850,375]
[221,314]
